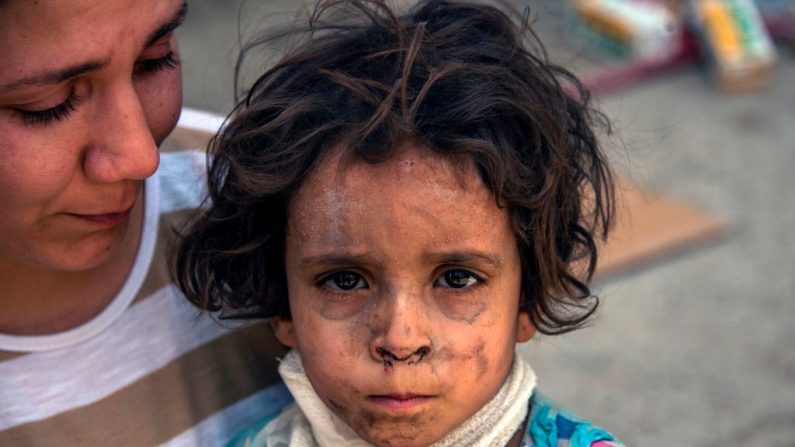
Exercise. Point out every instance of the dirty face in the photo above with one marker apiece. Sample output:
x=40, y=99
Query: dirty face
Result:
x=404, y=283
x=88, y=89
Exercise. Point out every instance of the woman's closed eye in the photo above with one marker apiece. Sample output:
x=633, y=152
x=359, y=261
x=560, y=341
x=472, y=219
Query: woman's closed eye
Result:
x=343, y=281
x=50, y=114
x=61, y=111
x=458, y=279
x=151, y=66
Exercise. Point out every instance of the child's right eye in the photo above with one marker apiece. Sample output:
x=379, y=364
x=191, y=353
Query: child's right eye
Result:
x=344, y=281
x=458, y=279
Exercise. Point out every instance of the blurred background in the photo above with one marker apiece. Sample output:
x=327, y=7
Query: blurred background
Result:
x=691, y=346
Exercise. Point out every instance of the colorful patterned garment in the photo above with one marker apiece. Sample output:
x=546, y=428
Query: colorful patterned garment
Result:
x=550, y=426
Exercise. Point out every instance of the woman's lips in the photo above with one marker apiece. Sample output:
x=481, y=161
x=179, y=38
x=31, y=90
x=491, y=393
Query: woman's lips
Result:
x=104, y=220
x=399, y=401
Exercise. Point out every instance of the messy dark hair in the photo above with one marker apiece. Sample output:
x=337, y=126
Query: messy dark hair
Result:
x=466, y=80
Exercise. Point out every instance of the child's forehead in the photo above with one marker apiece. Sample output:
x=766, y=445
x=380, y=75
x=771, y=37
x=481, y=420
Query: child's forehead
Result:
x=408, y=210
x=411, y=183
x=408, y=163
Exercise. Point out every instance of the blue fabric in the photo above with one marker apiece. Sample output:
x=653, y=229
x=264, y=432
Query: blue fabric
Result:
x=278, y=397
x=552, y=426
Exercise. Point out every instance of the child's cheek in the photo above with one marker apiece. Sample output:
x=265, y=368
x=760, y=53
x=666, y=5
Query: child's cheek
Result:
x=347, y=327
x=349, y=307
x=466, y=310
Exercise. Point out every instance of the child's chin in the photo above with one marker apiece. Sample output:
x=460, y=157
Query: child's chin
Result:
x=399, y=439
x=398, y=434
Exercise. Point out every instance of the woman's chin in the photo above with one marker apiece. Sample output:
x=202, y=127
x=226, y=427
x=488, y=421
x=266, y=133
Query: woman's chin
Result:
x=90, y=253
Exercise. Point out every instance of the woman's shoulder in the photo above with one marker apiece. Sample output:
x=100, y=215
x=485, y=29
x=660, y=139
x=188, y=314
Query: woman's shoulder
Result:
x=551, y=425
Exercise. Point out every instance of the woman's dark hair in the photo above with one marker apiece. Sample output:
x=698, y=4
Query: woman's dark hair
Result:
x=458, y=77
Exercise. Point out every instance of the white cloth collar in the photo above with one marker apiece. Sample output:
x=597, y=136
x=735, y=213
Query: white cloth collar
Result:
x=309, y=423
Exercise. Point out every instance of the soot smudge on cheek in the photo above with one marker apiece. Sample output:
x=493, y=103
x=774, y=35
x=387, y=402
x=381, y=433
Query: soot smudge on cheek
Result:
x=479, y=357
x=344, y=407
x=476, y=355
x=338, y=408
x=465, y=312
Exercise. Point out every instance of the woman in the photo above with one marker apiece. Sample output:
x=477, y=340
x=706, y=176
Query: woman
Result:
x=95, y=346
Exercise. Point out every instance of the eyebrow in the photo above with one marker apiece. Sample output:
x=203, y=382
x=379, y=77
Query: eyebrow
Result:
x=463, y=257
x=169, y=26
x=454, y=257
x=64, y=74
x=57, y=76
x=328, y=260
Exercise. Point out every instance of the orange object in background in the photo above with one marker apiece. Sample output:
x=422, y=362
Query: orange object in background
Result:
x=736, y=43
x=641, y=30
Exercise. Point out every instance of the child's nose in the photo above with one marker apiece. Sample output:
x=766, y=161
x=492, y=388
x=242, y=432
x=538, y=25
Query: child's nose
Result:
x=387, y=356
x=402, y=331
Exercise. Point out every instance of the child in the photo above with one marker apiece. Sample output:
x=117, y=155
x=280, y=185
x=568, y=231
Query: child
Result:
x=406, y=198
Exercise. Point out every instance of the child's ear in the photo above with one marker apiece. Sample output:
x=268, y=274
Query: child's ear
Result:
x=284, y=331
x=525, y=330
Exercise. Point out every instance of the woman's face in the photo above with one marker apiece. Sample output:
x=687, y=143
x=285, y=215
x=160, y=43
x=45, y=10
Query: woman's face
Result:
x=404, y=282
x=88, y=90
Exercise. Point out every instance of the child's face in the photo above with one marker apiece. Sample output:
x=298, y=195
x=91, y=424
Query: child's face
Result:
x=404, y=282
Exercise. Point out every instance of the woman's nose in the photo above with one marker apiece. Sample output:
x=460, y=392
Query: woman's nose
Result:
x=121, y=146
x=402, y=331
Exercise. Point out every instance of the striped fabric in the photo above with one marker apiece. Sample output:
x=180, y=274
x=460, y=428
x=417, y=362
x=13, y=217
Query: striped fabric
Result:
x=150, y=369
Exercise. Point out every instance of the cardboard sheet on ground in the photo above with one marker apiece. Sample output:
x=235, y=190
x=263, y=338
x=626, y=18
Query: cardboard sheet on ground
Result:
x=649, y=228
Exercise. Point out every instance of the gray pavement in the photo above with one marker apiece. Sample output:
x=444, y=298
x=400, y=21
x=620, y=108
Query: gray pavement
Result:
x=690, y=351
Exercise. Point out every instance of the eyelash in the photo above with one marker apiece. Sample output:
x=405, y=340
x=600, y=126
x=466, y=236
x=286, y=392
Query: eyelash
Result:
x=324, y=280
x=167, y=62
x=64, y=109
x=479, y=281
x=361, y=283
x=57, y=113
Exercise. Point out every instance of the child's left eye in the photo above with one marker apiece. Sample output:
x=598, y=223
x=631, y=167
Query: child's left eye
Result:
x=344, y=281
x=458, y=279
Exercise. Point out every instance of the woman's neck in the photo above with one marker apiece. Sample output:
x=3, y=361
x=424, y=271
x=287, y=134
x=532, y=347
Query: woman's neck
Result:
x=36, y=301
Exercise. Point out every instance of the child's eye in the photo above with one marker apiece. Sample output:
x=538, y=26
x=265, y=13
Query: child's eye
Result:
x=344, y=281
x=458, y=279
x=149, y=66
x=47, y=116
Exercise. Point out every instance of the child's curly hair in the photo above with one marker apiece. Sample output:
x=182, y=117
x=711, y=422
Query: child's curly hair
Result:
x=458, y=77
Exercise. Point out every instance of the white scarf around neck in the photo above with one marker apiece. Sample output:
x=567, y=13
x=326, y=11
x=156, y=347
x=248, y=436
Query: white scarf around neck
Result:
x=309, y=423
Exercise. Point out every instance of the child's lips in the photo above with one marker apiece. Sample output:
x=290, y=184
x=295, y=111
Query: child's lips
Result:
x=400, y=401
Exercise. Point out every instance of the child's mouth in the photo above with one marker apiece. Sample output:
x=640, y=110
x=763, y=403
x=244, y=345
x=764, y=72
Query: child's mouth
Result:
x=399, y=401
